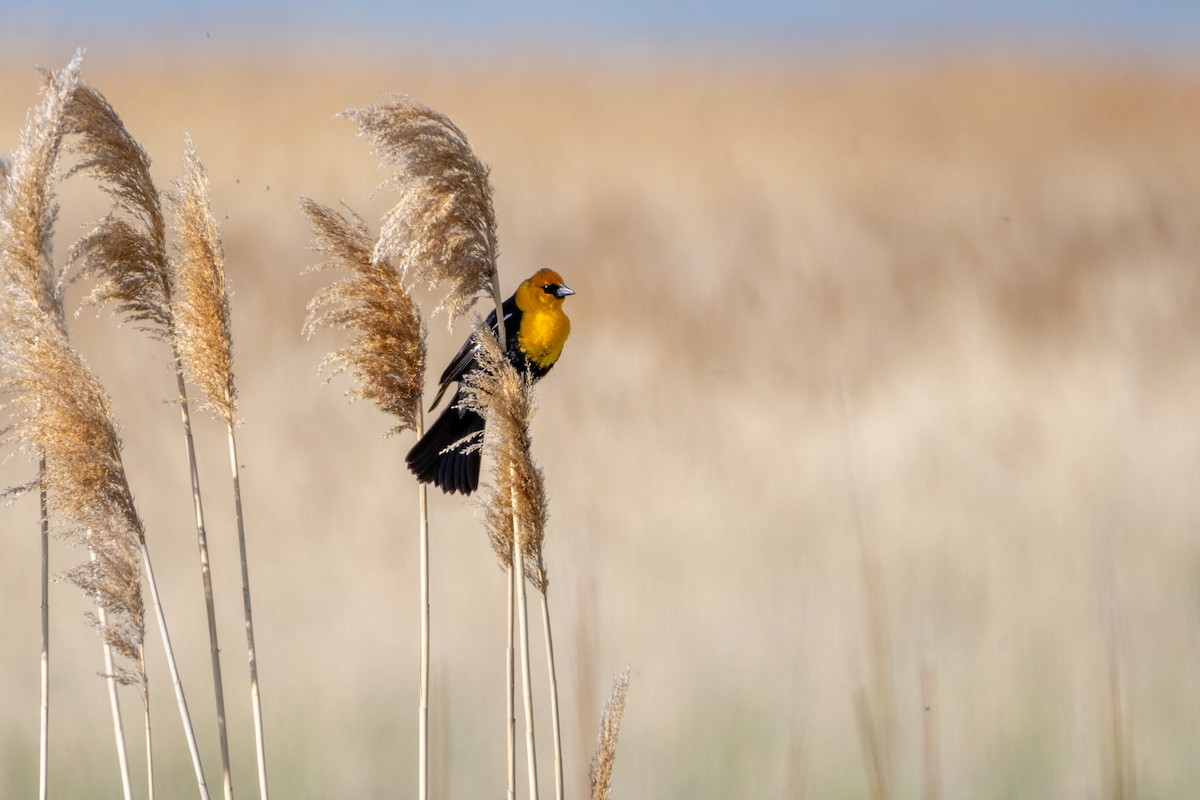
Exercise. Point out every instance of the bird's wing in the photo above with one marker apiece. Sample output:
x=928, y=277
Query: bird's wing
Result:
x=464, y=360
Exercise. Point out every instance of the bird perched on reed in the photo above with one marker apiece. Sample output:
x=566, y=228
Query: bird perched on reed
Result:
x=536, y=328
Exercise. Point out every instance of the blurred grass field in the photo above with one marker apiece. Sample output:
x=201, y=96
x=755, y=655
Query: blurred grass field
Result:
x=926, y=328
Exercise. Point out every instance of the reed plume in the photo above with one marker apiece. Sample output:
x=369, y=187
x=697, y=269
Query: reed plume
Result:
x=29, y=209
x=387, y=358
x=516, y=499
x=601, y=770
x=127, y=252
x=442, y=229
x=27, y=215
x=202, y=306
x=203, y=336
x=440, y=232
x=387, y=353
x=61, y=412
x=516, y=509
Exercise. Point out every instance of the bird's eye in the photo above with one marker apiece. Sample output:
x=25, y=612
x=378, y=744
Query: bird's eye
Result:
x=551, y=289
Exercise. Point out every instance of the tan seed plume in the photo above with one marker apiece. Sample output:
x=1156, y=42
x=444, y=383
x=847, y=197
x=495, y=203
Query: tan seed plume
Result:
x=60, y=411
x=504, y=397
x=126, y=250
x=387, y=354
x=201, y=305
x=442, y=230
x=601, y=770
x=28, y=212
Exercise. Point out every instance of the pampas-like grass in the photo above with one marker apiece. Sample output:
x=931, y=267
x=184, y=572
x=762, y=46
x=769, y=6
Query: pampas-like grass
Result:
x=387, y=353
x=29, y=209
x=130, y=257
x=516, y=509
x=127, y=252
x=61, y=412
x=202, y=306
x=205, y=345
x=442, y=229
x=601, y=770
x=387, y=358
x=27, y=216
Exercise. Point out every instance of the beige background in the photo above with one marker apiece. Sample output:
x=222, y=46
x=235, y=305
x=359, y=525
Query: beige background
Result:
x=918, y=331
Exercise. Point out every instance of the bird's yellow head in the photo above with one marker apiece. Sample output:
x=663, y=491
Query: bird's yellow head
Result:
x=544, y=291
x=544, y=327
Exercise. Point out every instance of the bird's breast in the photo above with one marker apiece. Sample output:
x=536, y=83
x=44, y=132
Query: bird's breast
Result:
x=542, y=336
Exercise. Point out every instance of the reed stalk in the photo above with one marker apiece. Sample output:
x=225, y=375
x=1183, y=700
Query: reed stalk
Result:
x=127, y=251
x=44, y=716
x=423, y=700
x=526, y=678
x=32, y=306
x=176, y=681
x=555, y=720
x=203, y=337
x=511, y=680
x=114, y=703
x=60, y=410
x=440, y=232
x=515, y=507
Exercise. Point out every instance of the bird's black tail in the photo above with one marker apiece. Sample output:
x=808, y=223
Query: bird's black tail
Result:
x=451, y=470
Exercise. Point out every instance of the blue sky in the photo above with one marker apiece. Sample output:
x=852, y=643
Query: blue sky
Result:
x=1147, y=27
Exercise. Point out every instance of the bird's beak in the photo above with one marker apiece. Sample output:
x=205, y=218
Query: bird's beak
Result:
x=563, y=291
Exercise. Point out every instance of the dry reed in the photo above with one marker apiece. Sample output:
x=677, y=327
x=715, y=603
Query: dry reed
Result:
x=62, y=415
x=440, y=232
x=27, y=215
x=201, y=307
x=442, y=229
x=205, y=346
x=126, y=251
x=386, y=356
x=600, y=771
x=515, y=506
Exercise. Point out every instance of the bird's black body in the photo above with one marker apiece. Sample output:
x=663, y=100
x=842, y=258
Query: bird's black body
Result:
x=449, y=453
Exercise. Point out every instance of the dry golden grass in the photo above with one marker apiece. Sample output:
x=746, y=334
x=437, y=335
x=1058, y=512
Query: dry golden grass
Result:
x=992, y=261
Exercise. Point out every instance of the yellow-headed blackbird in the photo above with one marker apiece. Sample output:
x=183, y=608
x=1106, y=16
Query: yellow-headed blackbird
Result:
x=535, y=329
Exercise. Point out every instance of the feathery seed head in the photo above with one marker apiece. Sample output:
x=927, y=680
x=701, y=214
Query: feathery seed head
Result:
x=127, y=248
x=442, y=230
x=601, y=769
x=28, y=210
x=203, y=335
x=61, y=413
x=516, y=502
x=387, y=353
